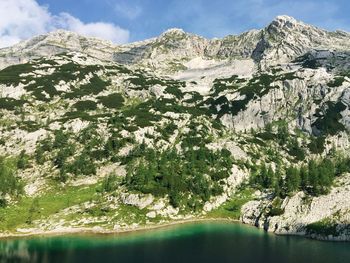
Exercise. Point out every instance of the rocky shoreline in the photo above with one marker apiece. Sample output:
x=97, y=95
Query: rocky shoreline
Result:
x=101, y=231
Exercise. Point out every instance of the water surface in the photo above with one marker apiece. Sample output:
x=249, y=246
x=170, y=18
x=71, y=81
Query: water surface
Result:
x=197, y=242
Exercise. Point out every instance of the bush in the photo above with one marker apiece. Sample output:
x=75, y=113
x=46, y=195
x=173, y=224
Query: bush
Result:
x=95, y=86
x=174, y=91
x=110, y=183
x=11, y=74
x=316, y=146
x=23, y=160
x=62, y=156
x=40, y=155
x=328, y=123
x=143, y=117
x=276, y=211
x=324, y=227
x=61, y=139
x=82, y=165
x=85, y=105
x=112, y=101
x=337, y=82
x=295, y=150
x=10, y=104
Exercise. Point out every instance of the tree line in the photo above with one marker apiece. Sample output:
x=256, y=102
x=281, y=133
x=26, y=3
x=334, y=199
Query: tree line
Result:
x=314, y=178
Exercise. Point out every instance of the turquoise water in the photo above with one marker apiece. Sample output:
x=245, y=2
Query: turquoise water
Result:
x=198, y=242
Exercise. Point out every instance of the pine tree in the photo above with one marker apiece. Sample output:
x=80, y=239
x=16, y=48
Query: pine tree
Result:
x=292, y=179
x=304, y=177
x=277, y=181
x=282, y=133
x=269, y=177
x=313, y=177
x=39, y=155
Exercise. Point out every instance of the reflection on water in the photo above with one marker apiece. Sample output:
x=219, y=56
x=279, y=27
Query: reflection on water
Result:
x=200, y=242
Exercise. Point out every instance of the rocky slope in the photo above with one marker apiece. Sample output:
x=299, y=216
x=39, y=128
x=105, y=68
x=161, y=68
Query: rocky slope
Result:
x=176, y=127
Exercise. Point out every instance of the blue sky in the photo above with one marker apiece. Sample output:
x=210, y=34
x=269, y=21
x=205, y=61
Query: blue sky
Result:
x=130, y=20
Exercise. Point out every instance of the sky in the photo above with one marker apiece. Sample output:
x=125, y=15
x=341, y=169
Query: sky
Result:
x=123, y=21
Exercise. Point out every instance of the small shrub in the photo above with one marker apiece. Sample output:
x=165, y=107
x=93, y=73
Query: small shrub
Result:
x=112, y=101
x=85, y=105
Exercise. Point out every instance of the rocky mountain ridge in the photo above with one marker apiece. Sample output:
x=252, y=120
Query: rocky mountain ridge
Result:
x=283, y=40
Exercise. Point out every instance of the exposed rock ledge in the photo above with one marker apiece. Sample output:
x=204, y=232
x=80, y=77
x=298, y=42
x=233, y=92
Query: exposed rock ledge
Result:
x=301, y=212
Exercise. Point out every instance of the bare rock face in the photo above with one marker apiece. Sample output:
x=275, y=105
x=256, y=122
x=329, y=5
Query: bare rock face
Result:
x=300, y=211
x=286, y=38
x=53, y=43
x=140, y=201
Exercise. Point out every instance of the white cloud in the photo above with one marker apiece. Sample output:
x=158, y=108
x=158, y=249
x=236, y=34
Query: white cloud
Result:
x=129, y=11
x=22, y=19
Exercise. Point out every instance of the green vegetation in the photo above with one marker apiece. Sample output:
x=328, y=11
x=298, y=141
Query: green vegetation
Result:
x=315, y=178
x=168, y=130
x=95, y=86
x=119, y=68
x=78, y=115
x=308, y=61
x=316, y=145
x=62, y=152
x=196, y=97
x=185, y=171
x=337, y=82
x=226, y=84
x=198, y=135
x=10, y=183
x=43, y=87
x=324, y=228
x=141, y=81
x=112, y=101
x=174, y=91
x=282, y=136
x=85, y=105
x=111, y=183
x=10, y=104
x=232, y=208
x=23, y=160
x=11, y=74
x=328, y=121
x=113, y=144
x=29, y=209
x=82, y=165
x=142, y=115
x=276, y=207
x=189, y=179
x=256, y=87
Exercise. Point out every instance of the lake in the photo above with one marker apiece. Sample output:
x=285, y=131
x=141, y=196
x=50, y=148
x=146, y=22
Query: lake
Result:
x=196, y=242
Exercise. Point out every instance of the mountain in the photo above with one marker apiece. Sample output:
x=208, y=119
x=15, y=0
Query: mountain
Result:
x=253, y=127
x=284, y=39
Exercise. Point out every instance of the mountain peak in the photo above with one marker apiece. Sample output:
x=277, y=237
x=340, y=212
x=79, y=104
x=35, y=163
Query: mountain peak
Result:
x=174, y=31
x=66, y=34
x=284, y=21
x=285, y=18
